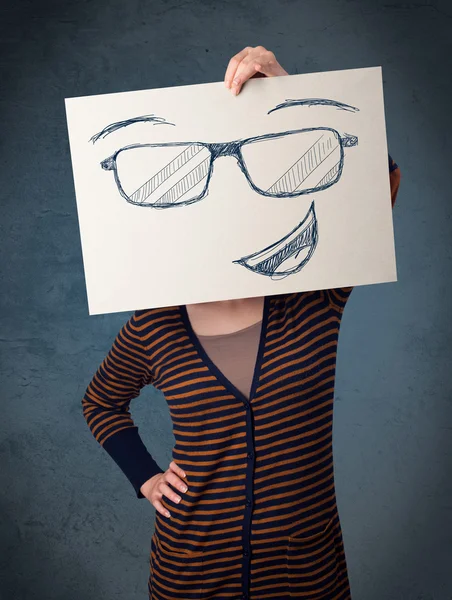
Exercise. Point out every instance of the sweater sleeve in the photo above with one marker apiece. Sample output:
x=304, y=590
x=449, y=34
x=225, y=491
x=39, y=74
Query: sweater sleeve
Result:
x=392, y=164
x=106, y=405
x=338, y=297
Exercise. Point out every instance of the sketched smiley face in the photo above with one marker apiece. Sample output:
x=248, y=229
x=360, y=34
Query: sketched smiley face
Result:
x=177, y=174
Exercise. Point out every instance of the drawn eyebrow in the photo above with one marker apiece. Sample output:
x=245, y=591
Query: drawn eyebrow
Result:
x=120, y=124
x=315, y=102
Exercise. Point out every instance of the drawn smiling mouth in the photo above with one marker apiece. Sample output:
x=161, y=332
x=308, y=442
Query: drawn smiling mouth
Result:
x=289, y=254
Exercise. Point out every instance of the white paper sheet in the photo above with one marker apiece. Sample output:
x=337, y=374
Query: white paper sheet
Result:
x=306, y=207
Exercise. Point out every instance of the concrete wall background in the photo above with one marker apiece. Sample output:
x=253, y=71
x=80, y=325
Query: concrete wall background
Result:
x=71, y=526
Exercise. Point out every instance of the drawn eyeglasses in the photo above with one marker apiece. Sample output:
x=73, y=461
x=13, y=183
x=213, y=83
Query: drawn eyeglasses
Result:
x=178, y=173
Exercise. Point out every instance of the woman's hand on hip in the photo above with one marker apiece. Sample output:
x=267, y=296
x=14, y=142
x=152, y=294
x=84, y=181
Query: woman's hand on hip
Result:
x=251, y=62
x=157, y=486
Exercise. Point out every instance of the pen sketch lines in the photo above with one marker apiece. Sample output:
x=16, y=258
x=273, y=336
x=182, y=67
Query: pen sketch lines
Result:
x=120, y=124
x=192, y=168
x=184, y=185
x=281, y=258
x=307, y=164
x=332, y=173
x=145, y=190
x=315, y=102
x=349, y=140
x=165, y=175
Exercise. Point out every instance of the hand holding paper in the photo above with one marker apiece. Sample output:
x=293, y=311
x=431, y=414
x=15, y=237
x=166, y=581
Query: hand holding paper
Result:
x=247, y=63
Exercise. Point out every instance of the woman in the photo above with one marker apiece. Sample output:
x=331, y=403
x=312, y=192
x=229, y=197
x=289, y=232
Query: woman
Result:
x=247, y=508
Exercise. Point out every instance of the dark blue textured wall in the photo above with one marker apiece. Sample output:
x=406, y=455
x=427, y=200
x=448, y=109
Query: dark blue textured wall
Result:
x=71, y=527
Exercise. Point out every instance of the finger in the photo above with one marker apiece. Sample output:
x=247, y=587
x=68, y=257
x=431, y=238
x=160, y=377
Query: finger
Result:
x=268, y=63
x=257, y=60
x=160, y=508
x=174, y=467
x=233, y=64
x=272, y=68
x=174, y=480
x=165, y=490
x=245, y=71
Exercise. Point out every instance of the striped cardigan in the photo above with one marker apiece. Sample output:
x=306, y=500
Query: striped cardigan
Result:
x=259, y=520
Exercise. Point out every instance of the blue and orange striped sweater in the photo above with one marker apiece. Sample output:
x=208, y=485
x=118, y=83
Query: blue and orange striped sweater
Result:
x=259, y=520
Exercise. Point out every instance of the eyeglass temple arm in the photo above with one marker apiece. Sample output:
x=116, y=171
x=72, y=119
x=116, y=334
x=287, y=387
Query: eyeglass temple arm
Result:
x=349, y=140
x=108, y=164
